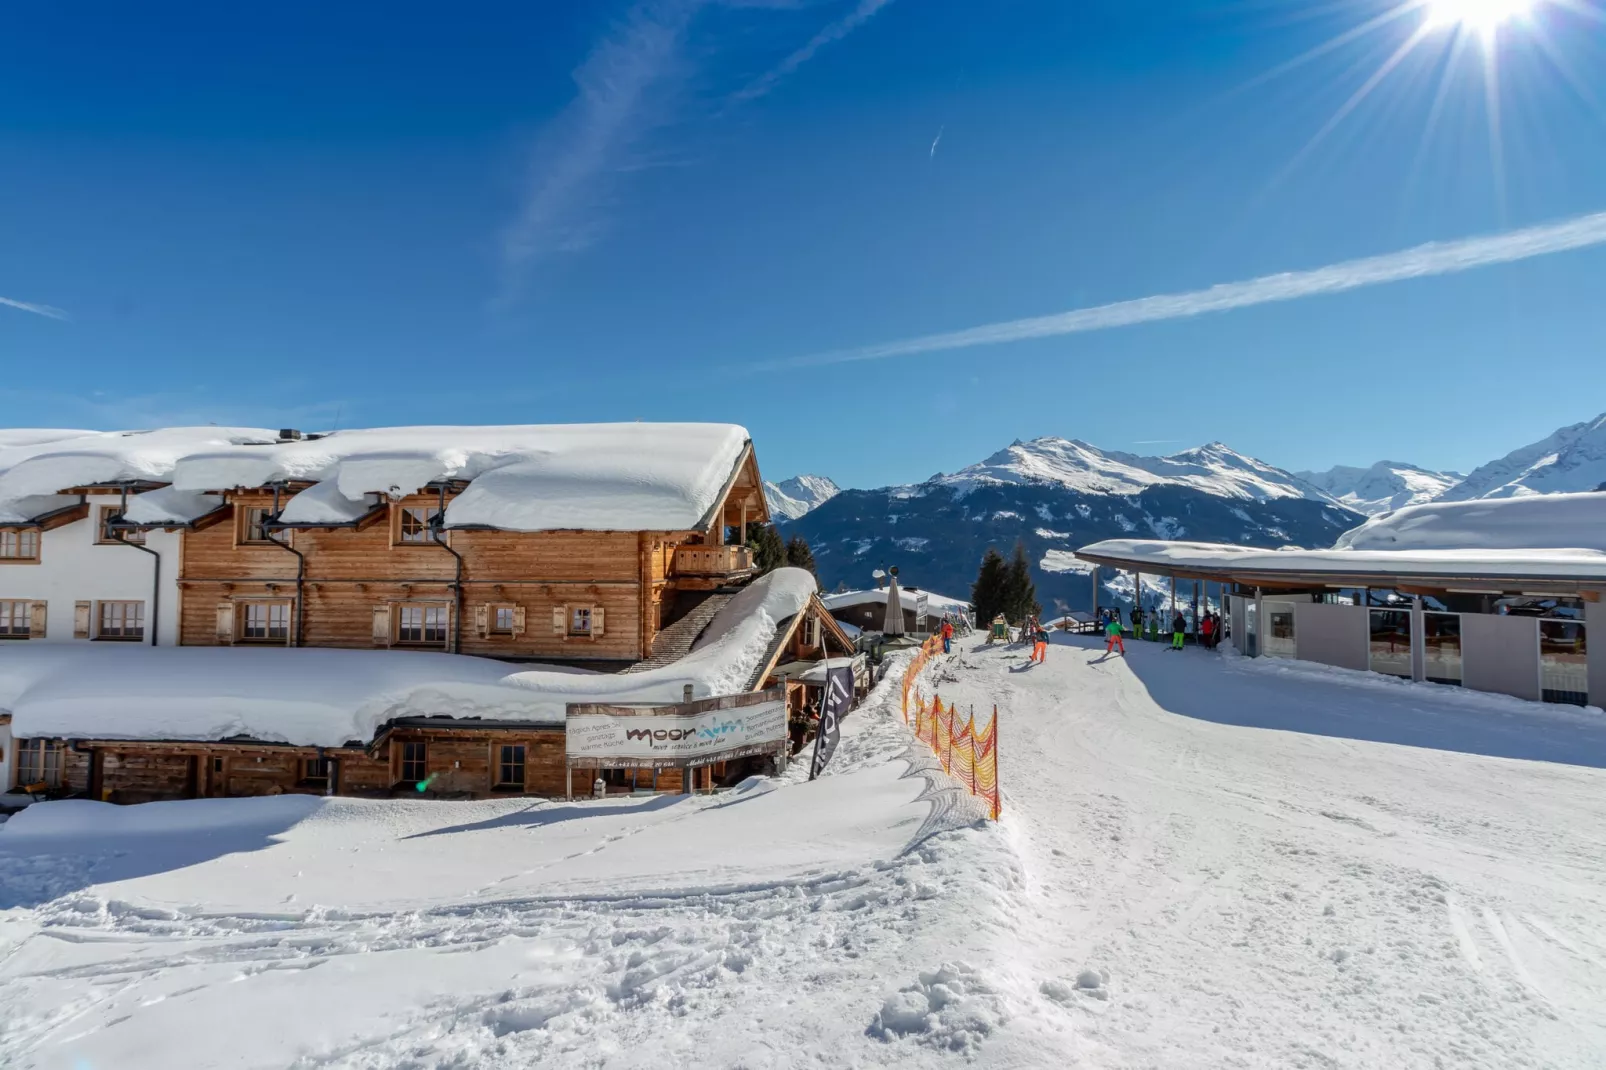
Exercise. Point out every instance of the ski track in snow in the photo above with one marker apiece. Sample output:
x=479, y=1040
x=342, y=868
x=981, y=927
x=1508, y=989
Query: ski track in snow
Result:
x=1163, y=891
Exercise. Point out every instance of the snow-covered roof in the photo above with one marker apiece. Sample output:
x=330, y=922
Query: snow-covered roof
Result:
x=26, y=509
x=532, y=477
x=1211, y=559
x=1549, y=521
x=935, y=603
x=168, y=505
x=330, y=697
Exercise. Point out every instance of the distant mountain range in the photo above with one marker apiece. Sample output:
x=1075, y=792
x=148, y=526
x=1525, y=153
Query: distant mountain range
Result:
x=791, y=498
x=1056, y=494
x=1385, y=486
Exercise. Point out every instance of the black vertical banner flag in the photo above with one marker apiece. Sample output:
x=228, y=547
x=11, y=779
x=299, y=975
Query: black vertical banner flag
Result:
x=838, y=696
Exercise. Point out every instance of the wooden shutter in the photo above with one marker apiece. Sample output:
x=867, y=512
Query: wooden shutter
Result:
x=518, y=620
x=80, y=619
x=225, y=624
x=382, y=625
x=596, y=622
x=38, y=613
x=482, y=620
x=560, y=620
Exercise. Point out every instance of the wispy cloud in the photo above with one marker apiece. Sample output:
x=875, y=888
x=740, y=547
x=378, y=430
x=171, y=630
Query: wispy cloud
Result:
x=38, y=310
x=616, y=104
x=937, y=141
x=1435, y=258
x=834, y=31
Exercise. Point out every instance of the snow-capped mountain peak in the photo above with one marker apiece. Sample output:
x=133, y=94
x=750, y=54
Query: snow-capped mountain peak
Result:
x=1571, y=459
x=1385, y=486
x=791, y=498
x=1214, y=468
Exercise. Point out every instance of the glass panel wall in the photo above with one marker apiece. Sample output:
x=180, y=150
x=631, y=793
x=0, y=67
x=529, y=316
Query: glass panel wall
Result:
x=1391, y=642
x=1279, y=640
x=1563, y=665
x=1251, y=629
x=1441, y=642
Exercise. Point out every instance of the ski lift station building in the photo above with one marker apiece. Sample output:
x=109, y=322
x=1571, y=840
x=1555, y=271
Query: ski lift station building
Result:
x=1493, y=594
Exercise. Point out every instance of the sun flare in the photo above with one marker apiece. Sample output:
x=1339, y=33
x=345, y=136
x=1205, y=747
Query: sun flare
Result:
x=1485, y=16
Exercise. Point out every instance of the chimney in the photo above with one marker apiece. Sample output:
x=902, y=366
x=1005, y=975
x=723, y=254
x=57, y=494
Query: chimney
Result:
x=289, y=434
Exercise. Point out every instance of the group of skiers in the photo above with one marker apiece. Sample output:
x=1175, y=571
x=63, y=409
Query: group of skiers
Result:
x=1208, y=635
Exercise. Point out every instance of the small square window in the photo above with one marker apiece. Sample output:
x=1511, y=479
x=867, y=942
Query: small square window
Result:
x=264, y=622
x=315, y=769
x=121, y=620
x=104, y=533
x=19, y=545
x=501, y=622
x=413, y=524
x=16, y=619
x=422, y=624
x=580, y=620
x=39, y=761
x=251, y=531
x=510, y=767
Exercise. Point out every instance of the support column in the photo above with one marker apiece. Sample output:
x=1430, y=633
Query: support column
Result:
x=1260, y=620
x=1419, y=650
x=1095, y=592
x=1595, y=646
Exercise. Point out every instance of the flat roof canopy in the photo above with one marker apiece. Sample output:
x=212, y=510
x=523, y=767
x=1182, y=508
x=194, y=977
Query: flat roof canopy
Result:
x=1494, y=571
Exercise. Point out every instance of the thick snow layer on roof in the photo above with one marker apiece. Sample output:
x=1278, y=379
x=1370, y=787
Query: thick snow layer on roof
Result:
x=935, y=603
x=1571, y=564
x=110, y=456
x=1550, y=521
x=34, y=436
x=635, y=476
x=322, y=503
x=328, y=697
x=167, y=505
x=24, y=509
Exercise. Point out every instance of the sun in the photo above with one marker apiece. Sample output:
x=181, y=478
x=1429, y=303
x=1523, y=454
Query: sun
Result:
x=1484, y=16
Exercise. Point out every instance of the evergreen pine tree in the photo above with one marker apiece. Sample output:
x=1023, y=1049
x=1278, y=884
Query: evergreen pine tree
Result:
x=798, y=554
x=1020, y=593
x=769, y=552
x=987, y=593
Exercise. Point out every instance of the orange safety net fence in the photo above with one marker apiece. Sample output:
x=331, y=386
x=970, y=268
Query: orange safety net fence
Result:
x=967, y=755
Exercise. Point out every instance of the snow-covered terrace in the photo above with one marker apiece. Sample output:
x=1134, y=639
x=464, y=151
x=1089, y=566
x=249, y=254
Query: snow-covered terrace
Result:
x=1551, y=544
x=327, y=698
x=533, y=477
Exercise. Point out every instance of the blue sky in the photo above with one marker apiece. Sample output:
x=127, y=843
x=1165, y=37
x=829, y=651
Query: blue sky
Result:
x=348, y=215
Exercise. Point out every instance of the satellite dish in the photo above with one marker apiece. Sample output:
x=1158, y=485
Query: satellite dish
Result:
x=893, y=570
x=395, y=493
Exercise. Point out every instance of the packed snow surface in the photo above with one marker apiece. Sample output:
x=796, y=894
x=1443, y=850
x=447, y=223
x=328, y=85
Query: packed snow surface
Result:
x=1551, y=522
x=1384, y=486
x=326, y=698
x=1203, y=862
x=791, y=498
x=1213, y=468
x=597, y=477
x=1571, y=459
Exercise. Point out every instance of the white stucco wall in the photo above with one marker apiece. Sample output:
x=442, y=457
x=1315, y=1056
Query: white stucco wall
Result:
x=73, y=567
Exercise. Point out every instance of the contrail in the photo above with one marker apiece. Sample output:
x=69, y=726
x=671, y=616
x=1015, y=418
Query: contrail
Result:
x=38, y=310
x=1435, y=258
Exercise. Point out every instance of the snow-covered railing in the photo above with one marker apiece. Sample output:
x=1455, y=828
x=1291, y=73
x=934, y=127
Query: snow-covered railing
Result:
x=967, y=755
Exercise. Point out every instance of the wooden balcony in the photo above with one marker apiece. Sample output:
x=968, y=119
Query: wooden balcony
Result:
x=715, y=563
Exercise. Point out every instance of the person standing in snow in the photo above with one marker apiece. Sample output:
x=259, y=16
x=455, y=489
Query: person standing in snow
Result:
x=1179, y=631
x=1137, y=622
x=1112, y=637
x=1039, y=644
x=1207, y=631
x=947, y=634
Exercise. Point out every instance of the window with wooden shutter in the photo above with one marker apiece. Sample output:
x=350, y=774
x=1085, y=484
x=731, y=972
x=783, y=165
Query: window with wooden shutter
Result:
x=596, y=622
x=560, y=620
x=80, y=619
x=382, y=625
x=482, y=620
x=518, y=620
x=225, y=623
x=38, y=618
